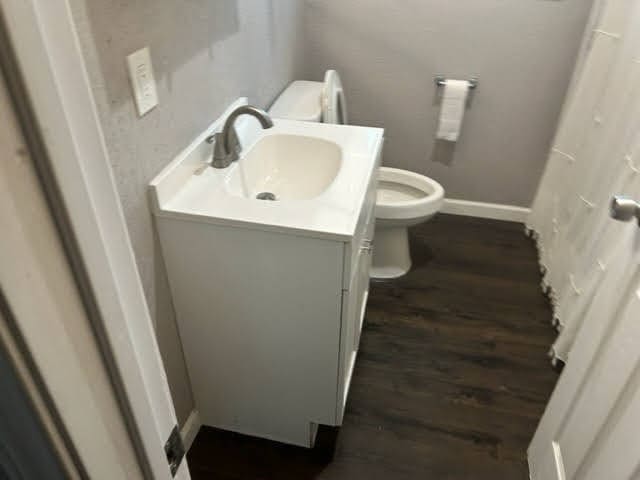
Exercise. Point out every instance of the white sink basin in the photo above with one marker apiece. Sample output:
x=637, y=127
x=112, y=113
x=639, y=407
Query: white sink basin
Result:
x=286, y=167
x=318, y=174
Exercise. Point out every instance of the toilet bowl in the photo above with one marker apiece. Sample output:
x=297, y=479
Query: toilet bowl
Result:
x=403, y=198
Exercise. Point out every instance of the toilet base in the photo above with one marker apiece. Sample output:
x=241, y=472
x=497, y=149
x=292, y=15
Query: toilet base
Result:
x=391, y=257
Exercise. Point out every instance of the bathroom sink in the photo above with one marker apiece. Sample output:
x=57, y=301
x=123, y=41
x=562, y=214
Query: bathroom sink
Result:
x=317, y=174
x=286, y=167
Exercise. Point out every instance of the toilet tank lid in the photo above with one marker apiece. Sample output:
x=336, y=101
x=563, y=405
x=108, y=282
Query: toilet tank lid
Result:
x=301, y=100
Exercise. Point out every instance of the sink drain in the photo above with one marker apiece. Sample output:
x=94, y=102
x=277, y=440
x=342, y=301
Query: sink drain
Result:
x=266, y=196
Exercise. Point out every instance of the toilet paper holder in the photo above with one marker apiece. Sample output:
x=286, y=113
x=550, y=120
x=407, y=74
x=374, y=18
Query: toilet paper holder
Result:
x=441, y=81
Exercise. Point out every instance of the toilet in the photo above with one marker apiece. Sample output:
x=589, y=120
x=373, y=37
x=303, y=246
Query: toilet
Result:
x=403, y=198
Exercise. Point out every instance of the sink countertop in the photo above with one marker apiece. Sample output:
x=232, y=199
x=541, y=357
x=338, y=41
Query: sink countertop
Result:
x=181, y=193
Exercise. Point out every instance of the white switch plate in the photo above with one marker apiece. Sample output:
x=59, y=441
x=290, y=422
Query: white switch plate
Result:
x=142, y=81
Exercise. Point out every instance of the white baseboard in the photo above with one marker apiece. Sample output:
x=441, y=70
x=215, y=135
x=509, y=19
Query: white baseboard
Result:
x=190, y=429
x=494, y=211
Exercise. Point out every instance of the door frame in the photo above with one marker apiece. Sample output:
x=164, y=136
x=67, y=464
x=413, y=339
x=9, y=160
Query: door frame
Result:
x=50, y=70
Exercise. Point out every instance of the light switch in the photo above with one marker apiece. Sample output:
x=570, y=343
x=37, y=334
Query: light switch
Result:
x=142, y=81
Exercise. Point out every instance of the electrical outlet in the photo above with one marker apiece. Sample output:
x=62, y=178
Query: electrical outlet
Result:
x=142, y=81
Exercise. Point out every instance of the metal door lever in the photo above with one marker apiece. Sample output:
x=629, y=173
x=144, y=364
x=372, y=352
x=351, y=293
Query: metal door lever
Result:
x=624, y=209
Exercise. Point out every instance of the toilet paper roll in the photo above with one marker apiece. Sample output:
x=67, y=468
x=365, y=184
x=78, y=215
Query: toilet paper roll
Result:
x=454, y=102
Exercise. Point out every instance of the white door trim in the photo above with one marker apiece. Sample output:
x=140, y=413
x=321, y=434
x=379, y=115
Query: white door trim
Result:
x=45, y=41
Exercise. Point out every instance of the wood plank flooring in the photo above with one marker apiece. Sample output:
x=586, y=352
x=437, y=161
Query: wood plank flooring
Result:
x=451, y=379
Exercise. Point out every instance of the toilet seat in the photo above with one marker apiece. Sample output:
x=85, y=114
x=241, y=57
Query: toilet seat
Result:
x=405, y=196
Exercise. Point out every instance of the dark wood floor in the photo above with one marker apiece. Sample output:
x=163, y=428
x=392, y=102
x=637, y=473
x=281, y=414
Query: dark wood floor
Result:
x=451, y=378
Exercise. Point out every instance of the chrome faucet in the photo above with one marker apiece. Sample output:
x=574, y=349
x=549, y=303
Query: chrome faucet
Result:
x=227, y=148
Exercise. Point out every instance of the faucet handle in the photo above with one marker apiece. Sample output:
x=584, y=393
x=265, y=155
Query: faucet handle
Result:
x=234, y=142
x=222, y=159
x=219, y=152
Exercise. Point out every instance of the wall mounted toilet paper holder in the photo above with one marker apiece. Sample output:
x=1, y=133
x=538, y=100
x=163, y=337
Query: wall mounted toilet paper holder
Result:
x=441, y=81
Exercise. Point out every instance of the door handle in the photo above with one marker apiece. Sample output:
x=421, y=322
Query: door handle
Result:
x=624, y=209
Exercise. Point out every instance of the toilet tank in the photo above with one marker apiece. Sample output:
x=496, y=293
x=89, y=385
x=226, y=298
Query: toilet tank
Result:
x=301, y=100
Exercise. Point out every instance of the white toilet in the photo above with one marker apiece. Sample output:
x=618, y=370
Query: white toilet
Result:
x=403, y=199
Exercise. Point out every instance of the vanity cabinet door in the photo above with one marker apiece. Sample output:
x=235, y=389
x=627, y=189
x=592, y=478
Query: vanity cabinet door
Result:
x=354, y=301
x=362, y=282
x=362, y=296
x=348, y=347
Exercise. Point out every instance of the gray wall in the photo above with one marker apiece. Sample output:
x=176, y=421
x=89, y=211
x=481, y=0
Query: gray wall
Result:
x=388, y=53
x=205, y=54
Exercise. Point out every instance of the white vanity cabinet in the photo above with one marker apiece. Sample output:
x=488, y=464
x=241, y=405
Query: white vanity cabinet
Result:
x=270, y=322
x=270, y=296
